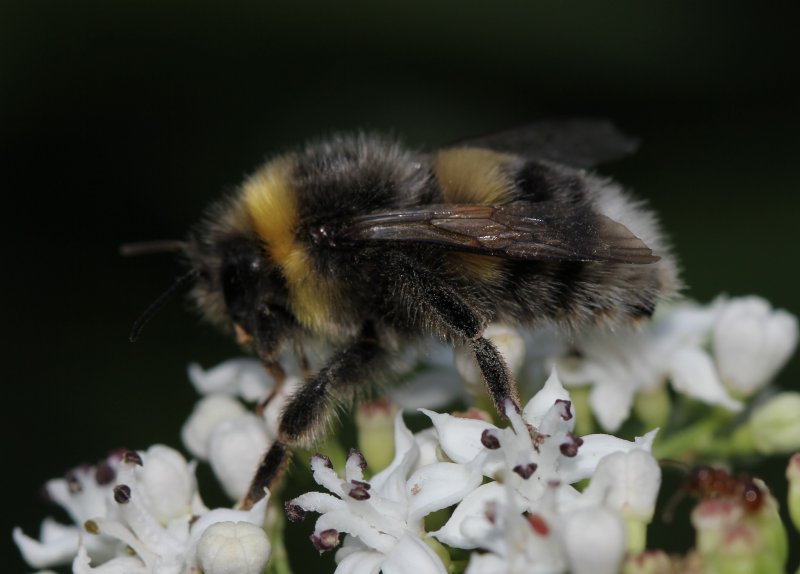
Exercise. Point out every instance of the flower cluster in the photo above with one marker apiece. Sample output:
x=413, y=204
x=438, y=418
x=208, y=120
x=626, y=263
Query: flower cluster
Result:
x=140, y=513
x=526, y=514
x=719, y=354
x=539, y=491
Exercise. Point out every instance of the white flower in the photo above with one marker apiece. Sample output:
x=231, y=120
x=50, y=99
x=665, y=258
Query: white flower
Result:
x=619, y=364
x=586, y=540
x=627, y=482
x=516, y=544
x=222, y=431
x=538, y=457
x=752, y=342
x=83, y=494
x=383, y=516
x=233, y=548
x=135, y=519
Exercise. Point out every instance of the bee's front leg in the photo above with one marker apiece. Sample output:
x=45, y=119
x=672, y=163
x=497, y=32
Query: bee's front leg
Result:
x=309, y=409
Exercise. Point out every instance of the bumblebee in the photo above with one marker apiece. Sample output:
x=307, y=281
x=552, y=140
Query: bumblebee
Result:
x=364, y=244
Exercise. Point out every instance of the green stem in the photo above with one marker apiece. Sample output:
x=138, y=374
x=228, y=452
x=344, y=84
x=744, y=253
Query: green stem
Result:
x=699, y=438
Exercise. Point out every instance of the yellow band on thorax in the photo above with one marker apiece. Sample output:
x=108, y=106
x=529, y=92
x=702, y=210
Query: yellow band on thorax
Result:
x=271, y=202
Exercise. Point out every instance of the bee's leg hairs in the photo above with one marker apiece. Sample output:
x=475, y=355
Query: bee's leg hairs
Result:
x=456, y=319
x=310, y=407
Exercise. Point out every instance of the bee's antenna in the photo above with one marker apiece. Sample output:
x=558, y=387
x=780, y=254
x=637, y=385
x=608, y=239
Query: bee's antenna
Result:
x=162, y=299
x=150, y=247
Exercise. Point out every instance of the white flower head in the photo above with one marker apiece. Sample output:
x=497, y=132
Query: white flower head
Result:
x=383, y=516
x=539, y=457
x=160, y=544
x=752, y=341
x=516, y=544
x=671, y=347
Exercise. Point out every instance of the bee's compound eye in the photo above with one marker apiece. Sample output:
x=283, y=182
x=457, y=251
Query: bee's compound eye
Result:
x=239, y=280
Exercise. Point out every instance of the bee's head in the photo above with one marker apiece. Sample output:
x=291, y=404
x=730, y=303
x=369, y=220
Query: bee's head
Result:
x=239, y=288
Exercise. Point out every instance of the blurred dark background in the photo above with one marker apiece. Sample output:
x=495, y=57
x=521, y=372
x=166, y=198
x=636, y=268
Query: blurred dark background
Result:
x=121, y=121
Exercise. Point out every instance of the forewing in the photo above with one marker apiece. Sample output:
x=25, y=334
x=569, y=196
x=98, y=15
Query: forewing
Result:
x=519, y=230
x=579, y=142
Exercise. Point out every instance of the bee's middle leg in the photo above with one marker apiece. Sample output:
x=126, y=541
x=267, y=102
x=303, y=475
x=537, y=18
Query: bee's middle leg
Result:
x=309, y=409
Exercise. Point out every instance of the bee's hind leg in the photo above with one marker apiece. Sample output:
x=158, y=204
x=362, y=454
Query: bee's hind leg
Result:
x=309, y=409
x=495, y=372
x=455, y=318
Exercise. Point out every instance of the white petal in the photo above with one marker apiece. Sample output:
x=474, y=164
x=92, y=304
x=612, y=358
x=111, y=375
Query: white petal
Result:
x=363, y=562
x=207, y=414
x=459, y=438
x=325, y=476
x=54, y=552
x=319, y=502
x=167, y=483
x=235, y=450
x=552, y=391
x=627, y=483
x=486, y=564
x=390, y=483
x=233, y=548
x=428, y=443
x=120, y=565
x=346, y=521
x=594, y=539
x=91, y=500
x=593, y=449
x=244, y=377
x=611, y=402
x=412, y=556
x=438, y=486
x=694, y=375
x=473, y=506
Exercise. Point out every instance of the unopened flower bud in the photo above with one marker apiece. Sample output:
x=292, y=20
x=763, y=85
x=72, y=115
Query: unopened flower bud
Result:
x=375, y=423
x=774, y=426
x=594, y=540
x=235, y=449
x=233, y=548
x=752, y=342
x=166, y=482
x=207, y=414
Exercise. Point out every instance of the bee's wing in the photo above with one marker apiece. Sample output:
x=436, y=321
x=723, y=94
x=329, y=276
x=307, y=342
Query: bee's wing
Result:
x=579, y=142
x=518, y=230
